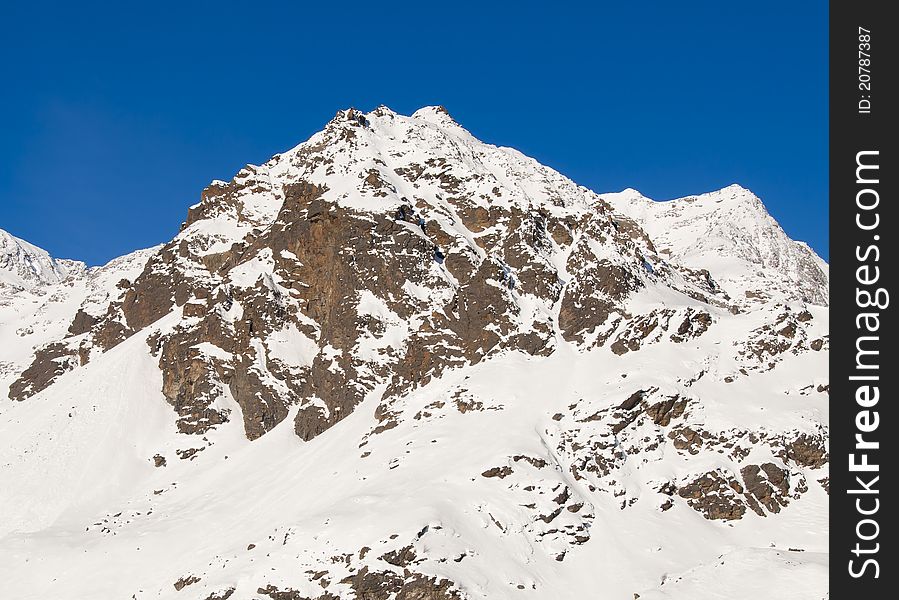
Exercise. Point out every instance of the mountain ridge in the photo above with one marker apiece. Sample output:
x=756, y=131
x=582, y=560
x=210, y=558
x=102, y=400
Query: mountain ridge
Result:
x=24, y=265
x=736, y=222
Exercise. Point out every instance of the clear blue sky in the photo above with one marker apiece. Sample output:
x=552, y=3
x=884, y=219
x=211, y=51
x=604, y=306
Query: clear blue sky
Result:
x=113, y=118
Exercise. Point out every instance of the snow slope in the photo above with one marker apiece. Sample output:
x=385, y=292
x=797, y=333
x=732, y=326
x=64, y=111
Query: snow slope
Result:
x=83, y=497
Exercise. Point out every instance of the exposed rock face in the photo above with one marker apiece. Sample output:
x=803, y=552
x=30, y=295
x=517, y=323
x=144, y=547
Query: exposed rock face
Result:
x=50, y=362
x=383, y=585
x=768, y=483
x=184, y=582
x=599, y=284
x=807, y=450
x=190, y=383
x=715, y=496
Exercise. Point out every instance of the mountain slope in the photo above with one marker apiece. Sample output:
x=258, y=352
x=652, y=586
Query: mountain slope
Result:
x=397, y=362
x=37, y=312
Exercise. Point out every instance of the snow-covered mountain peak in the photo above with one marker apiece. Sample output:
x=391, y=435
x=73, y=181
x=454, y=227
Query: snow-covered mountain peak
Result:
x=373, y=162
x=736, y=190
x=730, y=233
x=732, y=197
x=437, y=115
x=24, y=265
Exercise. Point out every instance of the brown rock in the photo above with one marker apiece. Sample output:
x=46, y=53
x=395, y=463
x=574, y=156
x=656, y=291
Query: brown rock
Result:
x=185, y=581
x=501, y=472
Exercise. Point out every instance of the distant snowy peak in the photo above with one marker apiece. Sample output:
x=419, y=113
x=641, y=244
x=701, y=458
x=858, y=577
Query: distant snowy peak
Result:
x=436, y=115
x=730, y=233
x=24, y=265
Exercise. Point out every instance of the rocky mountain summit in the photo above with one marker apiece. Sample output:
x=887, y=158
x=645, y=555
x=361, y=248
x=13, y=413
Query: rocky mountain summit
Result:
x=398, y=362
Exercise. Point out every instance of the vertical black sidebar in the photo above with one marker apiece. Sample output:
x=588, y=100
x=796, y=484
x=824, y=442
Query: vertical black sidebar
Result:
x=864, y=225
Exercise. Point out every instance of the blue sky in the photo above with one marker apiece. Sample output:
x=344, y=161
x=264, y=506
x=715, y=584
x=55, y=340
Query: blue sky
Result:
x=115, y=117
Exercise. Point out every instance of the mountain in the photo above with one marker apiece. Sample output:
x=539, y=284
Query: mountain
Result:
x=23, y=265
x=730, y=233
x=398, y=362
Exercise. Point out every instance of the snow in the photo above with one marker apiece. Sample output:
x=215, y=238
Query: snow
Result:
x=292, y=347
x=82, y=445
x=261, y=266
x=753, y=573
x=373, y=347
x=217, y=235
x=213, y=351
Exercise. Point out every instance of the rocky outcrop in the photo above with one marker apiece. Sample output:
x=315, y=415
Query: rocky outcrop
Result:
x=806, y=450
x=715, y=495
x=769, y=484
x=50, y=362
x=384, y=585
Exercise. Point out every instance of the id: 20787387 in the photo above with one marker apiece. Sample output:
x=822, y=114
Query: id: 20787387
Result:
x=864, y=70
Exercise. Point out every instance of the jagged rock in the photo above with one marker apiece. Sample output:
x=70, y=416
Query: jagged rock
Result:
x=276, y=593
x=715, y=496
x=400, y=558
x=806, y=450
x=662, y=412
x=500, y=472
x=82, y=322
x=633, y=400
x=50, y=362
x=386, y=585
x=768, y=483
x=185, y=581
x=686, y=439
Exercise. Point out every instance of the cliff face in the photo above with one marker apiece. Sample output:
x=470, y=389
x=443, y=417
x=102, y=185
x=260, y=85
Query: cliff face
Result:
x=578, y=354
